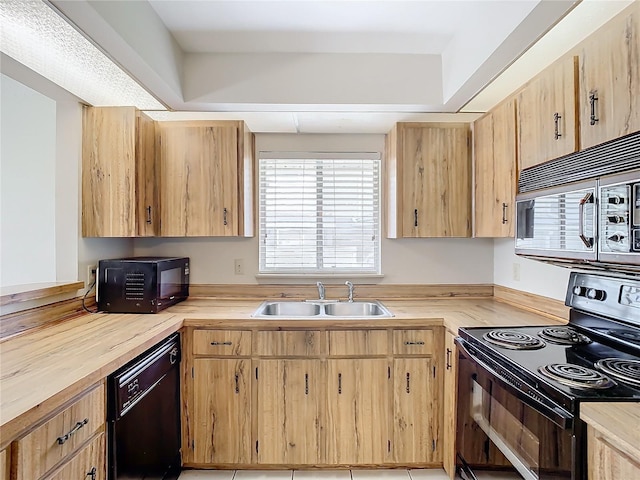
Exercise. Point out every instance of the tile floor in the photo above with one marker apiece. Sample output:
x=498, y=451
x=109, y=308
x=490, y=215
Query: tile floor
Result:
x=379, y=474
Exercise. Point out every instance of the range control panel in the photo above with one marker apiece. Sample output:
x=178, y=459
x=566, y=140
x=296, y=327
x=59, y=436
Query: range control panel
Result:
x=613, y=297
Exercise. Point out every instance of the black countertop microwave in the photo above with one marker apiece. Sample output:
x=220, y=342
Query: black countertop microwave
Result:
x=141, y=284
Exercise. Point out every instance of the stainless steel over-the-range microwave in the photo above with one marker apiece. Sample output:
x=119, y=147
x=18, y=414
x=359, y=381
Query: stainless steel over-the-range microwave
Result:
x=141, y=284
x=594, y=222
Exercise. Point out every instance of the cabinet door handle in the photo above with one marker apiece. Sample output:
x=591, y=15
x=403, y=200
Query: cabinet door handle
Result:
x=408, y=382
x=67, y=436
x=237, y=384
x=306, y=384
x=216, y=344
x=92, y=473
x=556, y=119
x=224, y=216
x=593, y=98
x=149, y=214
x=415, y=217
x=504, y=213
x=448, y=359
x=339, y=384
x=420, y=342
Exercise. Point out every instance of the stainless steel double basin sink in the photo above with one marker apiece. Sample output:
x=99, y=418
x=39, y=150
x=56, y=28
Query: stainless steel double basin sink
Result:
x=308, y=309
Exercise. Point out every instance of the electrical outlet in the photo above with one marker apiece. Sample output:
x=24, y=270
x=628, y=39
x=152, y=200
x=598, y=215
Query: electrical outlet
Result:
x=516, y=272
x=238, y=266
x=91, y=274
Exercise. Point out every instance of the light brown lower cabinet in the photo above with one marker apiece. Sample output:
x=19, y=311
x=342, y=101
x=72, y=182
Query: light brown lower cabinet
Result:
x=221, y=417
x=450, y=404
x=288, y=412
x=358, y=411
x=88, y=463
x=314, y=397
x=606, y=461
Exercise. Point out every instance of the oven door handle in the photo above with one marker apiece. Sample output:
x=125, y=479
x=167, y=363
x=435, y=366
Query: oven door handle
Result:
x=554, y=413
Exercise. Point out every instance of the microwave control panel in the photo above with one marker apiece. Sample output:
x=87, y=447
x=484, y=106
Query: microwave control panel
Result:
x=620, y=218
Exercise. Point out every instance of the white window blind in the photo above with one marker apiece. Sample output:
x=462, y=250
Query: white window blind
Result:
x=319, y=213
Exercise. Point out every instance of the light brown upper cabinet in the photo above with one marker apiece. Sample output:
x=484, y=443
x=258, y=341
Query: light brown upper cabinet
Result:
x=610, y=80
x=207, y=175
x=494, y=137
x=119, y=173
x=429, y=180
x=547, y=114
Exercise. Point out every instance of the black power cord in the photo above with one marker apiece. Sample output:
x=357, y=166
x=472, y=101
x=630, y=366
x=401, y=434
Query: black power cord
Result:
x=84, y=298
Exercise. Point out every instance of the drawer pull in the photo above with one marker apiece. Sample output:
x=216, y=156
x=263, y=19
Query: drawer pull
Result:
x=92, y=473
x=215, y=344
x=77, y=427
x=414, y=343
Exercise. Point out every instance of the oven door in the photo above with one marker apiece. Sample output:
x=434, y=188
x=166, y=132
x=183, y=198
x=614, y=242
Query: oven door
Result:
x=501, y=428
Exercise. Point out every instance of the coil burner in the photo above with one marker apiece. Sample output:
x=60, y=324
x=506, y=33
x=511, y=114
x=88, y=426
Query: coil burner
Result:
x=564, y=336
x=627, y=371
x=576, y=376
x=513, y=340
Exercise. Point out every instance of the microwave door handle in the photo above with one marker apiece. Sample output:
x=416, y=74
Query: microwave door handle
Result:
x=588, y=198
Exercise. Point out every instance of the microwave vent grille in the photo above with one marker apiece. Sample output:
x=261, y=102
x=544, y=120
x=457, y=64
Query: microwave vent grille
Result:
x=616, y=156
x=134, y=286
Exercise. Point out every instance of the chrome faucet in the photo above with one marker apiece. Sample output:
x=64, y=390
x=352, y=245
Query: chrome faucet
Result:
x=320, y=290
x=350, y=286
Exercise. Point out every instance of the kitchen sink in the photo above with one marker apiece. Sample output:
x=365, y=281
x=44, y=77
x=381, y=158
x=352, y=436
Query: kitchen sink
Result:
x=321, y=309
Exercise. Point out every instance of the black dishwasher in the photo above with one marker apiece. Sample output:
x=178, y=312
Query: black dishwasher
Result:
x=143, y=399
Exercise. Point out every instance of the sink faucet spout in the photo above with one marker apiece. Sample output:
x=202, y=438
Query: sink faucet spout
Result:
x=350, y=286
x=320, y=290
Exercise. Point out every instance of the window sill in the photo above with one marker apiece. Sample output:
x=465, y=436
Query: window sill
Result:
x=362, y=278
x=34, y=291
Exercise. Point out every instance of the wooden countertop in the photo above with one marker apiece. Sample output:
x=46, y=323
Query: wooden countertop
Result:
x=41, y=370
x=617, y=421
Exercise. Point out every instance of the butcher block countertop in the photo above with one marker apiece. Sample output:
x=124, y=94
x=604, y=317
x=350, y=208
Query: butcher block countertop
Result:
x=42, y=369
x=618, y=422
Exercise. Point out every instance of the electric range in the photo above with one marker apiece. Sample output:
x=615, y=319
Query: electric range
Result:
x=520, y=388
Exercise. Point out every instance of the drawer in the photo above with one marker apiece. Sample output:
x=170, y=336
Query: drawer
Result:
x=412, y=342
x=289, y=343
x=358, y=342
x=222, y=342
x=88, y=463
x=59, y=437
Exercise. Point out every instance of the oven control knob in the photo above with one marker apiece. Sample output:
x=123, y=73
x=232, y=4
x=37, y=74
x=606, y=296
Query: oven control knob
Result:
x=616, y=219
x=616, y=199
x=579, y=291
x=595, y=294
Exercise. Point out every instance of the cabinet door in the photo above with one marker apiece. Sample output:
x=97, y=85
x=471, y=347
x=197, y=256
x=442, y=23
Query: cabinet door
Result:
x=450, y=405
x=547, y=115
x=199, y=182
x=288, y=411
x=610, y=80
x=416, y=411
x=108, y=172
x=605, y=461
x=436, y=181
x=147, y=175
x=495, y=172
x=5, y=463
x=358, y=411
x=88, y=463
x=221, y=411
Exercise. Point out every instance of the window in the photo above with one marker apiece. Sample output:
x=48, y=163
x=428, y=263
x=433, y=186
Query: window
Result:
x=319, y=213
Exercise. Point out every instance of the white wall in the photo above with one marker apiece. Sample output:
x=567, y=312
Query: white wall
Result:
x=27, y=170
x=535, y=277
x=71, y=253
x=428, y=261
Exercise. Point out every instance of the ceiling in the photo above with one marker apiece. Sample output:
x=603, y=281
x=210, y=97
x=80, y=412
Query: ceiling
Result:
x=316, y=66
